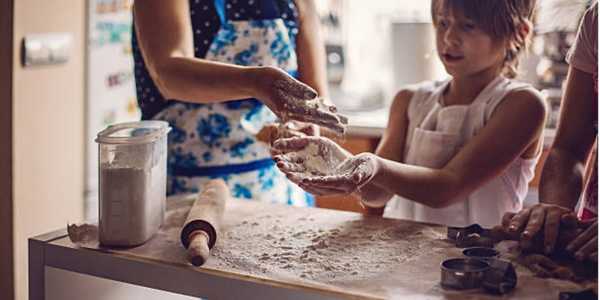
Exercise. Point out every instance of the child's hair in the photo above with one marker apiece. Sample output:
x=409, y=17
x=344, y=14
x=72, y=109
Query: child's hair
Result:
x=501, y=19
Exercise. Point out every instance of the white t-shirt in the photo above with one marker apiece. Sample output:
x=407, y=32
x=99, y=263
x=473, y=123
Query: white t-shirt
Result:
x=583, y=55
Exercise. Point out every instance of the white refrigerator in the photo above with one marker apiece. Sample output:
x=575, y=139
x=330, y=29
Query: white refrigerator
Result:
x=110, y=86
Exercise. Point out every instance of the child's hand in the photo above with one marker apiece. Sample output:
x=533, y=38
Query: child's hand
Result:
x=303, y=157
x=352, y=174
x=283, y=150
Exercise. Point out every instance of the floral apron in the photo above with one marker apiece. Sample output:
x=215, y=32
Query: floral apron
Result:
x=217, y=140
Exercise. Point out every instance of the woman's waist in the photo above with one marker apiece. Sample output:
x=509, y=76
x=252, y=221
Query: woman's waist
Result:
x=195, y=170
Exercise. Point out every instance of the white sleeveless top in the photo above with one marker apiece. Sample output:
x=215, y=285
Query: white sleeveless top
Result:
x=436, y=133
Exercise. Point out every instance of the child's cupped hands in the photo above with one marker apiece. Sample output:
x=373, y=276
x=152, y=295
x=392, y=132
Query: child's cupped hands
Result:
x=322, y=167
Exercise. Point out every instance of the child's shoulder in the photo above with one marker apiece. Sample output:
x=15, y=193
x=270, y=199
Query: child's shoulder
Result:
x=527, y=97
x=523, y=93
x=522, y=97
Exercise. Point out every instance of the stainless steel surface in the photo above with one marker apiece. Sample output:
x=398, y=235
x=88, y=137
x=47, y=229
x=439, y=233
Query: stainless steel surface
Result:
x=463, y=273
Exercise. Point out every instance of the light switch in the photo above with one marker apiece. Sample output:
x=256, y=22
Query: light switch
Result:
x=46, y=48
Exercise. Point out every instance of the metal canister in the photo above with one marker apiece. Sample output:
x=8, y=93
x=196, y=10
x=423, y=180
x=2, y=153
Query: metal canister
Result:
x=463, y=273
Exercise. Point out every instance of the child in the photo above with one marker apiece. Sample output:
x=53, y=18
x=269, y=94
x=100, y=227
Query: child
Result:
x=462, y=150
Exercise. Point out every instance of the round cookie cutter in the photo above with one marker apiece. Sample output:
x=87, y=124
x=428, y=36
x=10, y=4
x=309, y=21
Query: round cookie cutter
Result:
x=463, y=273
x=483, y=253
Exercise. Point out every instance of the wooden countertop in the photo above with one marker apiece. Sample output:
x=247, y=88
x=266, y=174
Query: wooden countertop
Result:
x=342, y=255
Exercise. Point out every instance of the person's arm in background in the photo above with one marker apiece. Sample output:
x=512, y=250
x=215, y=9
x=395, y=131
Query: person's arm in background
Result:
x=164, y=32
x=562, y=177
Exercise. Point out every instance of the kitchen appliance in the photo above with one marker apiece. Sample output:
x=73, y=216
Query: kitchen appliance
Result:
x=414, y=53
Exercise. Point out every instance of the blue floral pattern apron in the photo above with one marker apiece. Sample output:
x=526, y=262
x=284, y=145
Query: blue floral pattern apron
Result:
x=217, y=140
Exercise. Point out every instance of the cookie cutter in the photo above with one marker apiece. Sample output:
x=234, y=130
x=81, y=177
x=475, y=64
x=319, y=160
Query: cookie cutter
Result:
x=469, y=236
x=483, y=253
x=500, y=278
x=586, y=294
x=463, y=273
x=480, y=268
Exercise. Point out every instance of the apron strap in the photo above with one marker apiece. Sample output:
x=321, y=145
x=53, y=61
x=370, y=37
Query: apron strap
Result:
x=220, y=8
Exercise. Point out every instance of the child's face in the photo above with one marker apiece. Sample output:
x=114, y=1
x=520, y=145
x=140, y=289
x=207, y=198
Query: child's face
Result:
x=464, y=49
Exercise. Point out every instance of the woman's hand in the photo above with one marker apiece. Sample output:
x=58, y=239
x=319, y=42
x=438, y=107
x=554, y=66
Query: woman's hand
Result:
x=291, y=99
x=274, y=131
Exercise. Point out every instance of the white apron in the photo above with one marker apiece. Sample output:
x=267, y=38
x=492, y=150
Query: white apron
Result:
x=436, y=133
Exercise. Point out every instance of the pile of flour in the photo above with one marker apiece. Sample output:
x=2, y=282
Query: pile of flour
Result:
x=298, y=246
x=316, y=162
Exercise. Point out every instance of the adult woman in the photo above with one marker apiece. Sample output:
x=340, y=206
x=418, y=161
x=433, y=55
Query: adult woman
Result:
x=206, y=53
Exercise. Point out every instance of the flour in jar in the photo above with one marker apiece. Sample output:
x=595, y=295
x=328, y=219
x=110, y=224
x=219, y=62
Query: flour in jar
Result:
x=132, y=204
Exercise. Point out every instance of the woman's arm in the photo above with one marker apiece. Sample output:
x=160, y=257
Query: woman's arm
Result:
x=164, y=33
x=310, y=48
x=516, y=124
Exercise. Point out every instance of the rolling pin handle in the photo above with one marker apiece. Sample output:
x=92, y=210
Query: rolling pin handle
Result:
x=198, y=250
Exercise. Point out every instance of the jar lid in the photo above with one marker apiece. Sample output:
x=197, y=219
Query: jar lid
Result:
x=133, y=132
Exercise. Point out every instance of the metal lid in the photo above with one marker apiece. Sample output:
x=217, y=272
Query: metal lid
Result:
x=133, y=132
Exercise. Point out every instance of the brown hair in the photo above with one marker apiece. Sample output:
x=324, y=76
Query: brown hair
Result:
x=501, y=19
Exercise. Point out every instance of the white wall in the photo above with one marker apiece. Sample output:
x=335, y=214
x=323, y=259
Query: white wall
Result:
x=48, y=106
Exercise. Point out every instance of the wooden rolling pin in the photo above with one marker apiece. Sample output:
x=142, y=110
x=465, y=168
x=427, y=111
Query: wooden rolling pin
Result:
x=201, y=228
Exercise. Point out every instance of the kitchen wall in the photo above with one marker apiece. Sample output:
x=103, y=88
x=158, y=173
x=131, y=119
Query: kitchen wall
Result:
x=6, y=224
x=48, y=128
